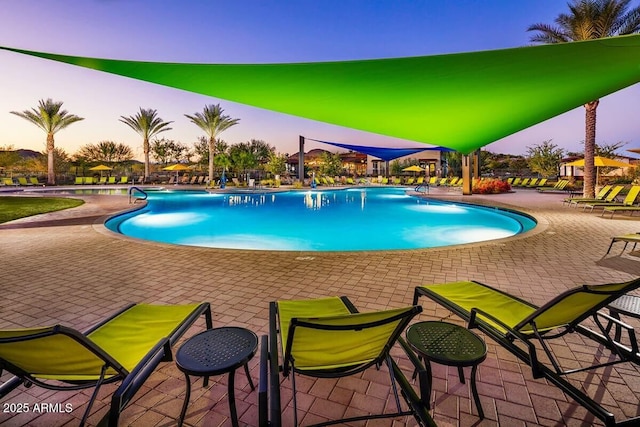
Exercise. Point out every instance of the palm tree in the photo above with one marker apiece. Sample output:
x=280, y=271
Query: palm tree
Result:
x=587, y=20
x=50, y=118
x=213, y=122
x=147, y=124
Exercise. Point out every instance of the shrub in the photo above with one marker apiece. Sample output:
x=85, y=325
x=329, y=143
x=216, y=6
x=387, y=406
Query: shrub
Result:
x=490, y=186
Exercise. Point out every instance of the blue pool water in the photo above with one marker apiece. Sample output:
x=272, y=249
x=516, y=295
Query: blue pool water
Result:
x=358, y=219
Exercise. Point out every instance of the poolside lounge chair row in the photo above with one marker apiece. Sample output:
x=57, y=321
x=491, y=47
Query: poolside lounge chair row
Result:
x=607, y=200
x=328, y=338
x=21, y=181
x=527, y=182
x=90, y=180
x=559, y=186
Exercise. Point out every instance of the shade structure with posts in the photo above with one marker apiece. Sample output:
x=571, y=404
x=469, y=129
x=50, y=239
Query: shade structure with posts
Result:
x=601, y=162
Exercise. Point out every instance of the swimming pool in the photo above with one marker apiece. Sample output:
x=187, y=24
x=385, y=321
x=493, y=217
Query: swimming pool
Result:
x=358, y=219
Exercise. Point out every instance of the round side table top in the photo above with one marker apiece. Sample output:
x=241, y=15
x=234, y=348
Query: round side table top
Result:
x=627, y=304
x=446, y=343
x=217, y=351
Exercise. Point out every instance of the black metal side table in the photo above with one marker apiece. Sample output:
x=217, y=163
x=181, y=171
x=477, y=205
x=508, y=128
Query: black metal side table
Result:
x=215, y=352
x=450, y=345
x=628, y=305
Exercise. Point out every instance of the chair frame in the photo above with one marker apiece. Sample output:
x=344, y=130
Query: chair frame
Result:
x=528, y=355
x=270, y=413
x=131, y=381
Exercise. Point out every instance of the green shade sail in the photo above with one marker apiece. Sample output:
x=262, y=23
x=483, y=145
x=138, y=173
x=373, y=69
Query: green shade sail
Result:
x=460, y=101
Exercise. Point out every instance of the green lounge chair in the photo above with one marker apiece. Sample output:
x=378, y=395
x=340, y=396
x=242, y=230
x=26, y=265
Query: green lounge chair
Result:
x=510, y=180
x=126, y=347
x=627, y=204
x=522, y=327
x=111, y=180
x=88, y=180
x=599, y=197
x=433, y=180
x=34, y=181
x=610, y=201
x=559, y=186
x=103, y=180
x=22, y=181
x=420, y=180
x=626, y=238
x=540, y=183
x=409, y=181
x=328, y=338
x=79, y=180
x=533, y=182
x=124, y=180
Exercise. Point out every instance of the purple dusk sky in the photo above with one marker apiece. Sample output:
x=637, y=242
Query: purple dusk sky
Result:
x=243, y=31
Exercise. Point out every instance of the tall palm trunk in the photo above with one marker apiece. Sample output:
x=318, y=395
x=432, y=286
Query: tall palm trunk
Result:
x=589, y=149
x=145, y=148
x=212, y=148
x=51, y=173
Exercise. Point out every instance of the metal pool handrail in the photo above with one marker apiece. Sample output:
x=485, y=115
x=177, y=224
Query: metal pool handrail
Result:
x=131, y=191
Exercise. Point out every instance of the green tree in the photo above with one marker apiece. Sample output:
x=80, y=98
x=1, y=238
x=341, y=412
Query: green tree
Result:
x=587, y=20
x=49, y=117
x=201, y=150
x=545, y=158
x=167, y=151
x=242, y=157
x=105, y=151
x=147, y=124
x=9, y=157
x=609, y=150
x=331, y=164
x=213, y=122
x=277, y=163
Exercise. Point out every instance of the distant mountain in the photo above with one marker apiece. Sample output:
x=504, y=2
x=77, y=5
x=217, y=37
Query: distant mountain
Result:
x=28, y=154
x=24, y=153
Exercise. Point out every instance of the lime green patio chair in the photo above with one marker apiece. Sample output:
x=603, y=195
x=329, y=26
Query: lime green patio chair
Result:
x=23, y=181
x=126, y=347
x=522, y=327
x=88, y=180
x=124, y=179
x=626, y=238
x=541, y=183
x=558, y=186
x=609, y=201
x=599, y=197
x=329, y=338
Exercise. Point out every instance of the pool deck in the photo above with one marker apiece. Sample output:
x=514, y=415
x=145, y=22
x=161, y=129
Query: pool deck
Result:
x=65, y=267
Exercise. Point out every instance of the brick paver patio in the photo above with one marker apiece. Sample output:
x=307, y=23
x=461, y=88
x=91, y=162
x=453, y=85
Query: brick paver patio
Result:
x=65, y=267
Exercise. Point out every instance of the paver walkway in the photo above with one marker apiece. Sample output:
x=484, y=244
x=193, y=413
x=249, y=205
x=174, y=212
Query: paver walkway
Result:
x=66, y=268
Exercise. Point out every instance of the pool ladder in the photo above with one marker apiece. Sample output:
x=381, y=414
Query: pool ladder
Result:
x=424, y=185
x=133, y=189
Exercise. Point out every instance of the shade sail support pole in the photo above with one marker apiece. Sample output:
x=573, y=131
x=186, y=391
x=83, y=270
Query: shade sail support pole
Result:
x=466, y=175
x=301, y=159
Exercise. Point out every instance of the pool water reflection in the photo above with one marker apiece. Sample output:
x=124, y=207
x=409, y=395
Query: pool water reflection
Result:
x=357, y=219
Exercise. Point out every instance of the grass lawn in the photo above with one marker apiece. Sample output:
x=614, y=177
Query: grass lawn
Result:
x=19, y=207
